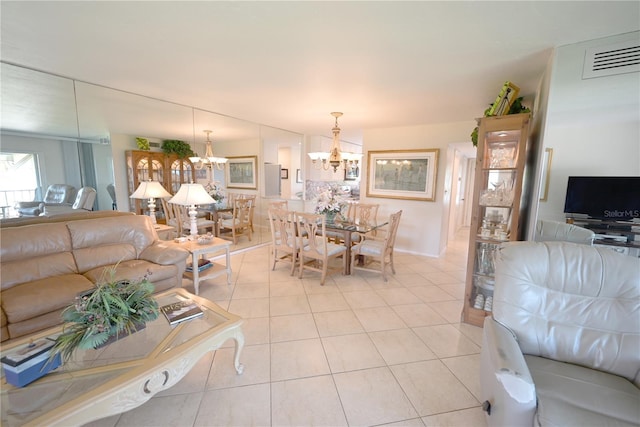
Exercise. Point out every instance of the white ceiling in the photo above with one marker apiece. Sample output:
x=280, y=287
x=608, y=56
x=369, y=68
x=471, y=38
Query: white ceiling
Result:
x=289, y=64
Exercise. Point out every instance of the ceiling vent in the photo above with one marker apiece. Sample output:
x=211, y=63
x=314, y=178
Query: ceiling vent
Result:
x=609, y=60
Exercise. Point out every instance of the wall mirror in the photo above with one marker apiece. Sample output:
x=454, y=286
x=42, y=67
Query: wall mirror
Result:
x=85, y=145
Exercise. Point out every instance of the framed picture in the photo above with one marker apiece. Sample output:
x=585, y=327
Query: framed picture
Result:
x=403, y=174
x=241, y=172
x=284, y=173
x=546, y=172
x=298, y=176
x=502, y=104
x=351, y=173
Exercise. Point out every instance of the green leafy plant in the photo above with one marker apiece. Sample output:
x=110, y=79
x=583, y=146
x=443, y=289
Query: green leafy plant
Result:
x=181, y=148
x=113, y=308
x=143, y=143
x=516, y=108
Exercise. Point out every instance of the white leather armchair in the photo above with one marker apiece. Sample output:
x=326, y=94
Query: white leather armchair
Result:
x=563, y=346
x=57, y=194
x=85, y=199
x=553, y=231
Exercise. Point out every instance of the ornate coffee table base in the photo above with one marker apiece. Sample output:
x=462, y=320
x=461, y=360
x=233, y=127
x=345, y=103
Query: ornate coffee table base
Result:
x=115, y=381
x=108, y=400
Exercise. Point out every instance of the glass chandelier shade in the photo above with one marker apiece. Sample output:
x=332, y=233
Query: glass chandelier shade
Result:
x=335, y=157
x=209, y=160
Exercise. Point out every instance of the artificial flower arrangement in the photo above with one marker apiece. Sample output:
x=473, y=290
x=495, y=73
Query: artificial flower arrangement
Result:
x=215, y=191
x=114, y=308
x=330, y=200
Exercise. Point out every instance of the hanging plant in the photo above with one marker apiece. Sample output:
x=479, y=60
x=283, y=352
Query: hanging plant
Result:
x=174, y=146
x=516, y=108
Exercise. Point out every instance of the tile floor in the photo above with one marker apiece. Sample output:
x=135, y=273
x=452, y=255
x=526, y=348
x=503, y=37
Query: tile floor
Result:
x=355, y=352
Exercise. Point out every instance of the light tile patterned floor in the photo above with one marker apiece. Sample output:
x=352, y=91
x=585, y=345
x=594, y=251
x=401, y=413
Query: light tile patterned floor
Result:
x=355, y=352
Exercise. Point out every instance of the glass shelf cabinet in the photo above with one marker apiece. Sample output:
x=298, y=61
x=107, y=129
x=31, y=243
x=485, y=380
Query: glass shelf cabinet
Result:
x=499, y=205
x=167, y=169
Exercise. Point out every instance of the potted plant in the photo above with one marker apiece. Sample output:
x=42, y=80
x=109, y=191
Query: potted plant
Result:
x=516, y=108
x=330, y=202
x=143, y=143
x=181, y=148
x=113, y=309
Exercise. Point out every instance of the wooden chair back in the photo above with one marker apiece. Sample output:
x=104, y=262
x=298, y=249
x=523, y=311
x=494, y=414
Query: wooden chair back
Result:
x=239, y=223
x=283, y=236
x=312, y=244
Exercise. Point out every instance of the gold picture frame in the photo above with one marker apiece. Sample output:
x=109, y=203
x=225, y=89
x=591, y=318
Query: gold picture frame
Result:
x=403, y=174
x=241, y=172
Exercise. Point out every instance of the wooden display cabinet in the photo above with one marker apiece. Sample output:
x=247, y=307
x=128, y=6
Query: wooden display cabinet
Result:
x=167, y=169
x=499, y=202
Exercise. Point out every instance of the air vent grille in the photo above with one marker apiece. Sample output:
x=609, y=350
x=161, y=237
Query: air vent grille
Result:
x=154, y=144
x=619, y=58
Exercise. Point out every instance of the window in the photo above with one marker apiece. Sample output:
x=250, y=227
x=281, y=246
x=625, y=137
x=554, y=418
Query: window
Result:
x=19, y=179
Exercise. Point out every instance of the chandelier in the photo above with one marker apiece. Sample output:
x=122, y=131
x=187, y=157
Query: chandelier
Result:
x=209, y=160
x=334, y=158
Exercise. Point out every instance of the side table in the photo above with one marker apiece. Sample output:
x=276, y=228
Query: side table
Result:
x=165, y=232
x=198, y=250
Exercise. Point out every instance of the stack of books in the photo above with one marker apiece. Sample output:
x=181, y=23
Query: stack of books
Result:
x=203, y=264
x=180, y=311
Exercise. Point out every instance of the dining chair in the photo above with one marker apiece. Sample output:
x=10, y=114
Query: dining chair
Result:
x=184, y=221
x=280, y=204
x=239, y=223
x=284, y=242
x=363, y=213
x=313, y=245
x=375, y=249
x=231, y=197
x=252, y=208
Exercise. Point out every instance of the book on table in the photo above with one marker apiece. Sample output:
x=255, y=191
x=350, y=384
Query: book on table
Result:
x=180, y=311
x=203, y=264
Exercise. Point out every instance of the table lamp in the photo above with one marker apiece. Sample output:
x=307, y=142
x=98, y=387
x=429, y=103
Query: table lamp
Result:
x=192, y=195
x=150, y=190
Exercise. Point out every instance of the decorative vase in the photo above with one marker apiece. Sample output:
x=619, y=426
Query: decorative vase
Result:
x=330, y=216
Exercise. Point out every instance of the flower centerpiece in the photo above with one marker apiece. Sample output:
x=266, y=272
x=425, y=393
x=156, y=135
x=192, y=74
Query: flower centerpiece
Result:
x=330, y=201
x=113, y=308
x=215, y=191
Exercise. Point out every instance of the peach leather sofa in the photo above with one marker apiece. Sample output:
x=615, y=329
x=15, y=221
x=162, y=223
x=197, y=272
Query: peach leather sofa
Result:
x=44, y=266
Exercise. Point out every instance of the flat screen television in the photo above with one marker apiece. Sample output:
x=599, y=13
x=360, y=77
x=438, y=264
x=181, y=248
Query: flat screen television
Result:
x=604, y=197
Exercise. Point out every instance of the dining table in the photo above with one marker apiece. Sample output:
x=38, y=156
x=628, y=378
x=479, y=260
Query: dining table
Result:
x=345, y=229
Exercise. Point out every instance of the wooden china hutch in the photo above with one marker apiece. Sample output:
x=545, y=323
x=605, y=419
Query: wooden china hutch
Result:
x=501, y=196
x=167, y=169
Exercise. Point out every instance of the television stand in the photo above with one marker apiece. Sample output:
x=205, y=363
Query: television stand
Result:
x=620, y=236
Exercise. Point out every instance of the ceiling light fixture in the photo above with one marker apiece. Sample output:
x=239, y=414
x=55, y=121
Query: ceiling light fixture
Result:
x=334, y=158
x=209, y=159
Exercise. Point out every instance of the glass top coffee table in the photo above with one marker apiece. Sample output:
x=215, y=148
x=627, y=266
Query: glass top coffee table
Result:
x=124, y=374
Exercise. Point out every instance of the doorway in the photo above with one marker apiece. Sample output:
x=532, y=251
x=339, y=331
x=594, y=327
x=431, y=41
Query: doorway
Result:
x=462, y=177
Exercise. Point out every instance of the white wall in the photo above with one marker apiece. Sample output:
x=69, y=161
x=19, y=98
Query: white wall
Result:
x=593, y=125
x=420, y=229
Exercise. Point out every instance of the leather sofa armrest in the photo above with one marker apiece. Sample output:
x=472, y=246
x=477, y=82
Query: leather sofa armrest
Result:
x=23, y=205
x=505, y=379
x=164, y=253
